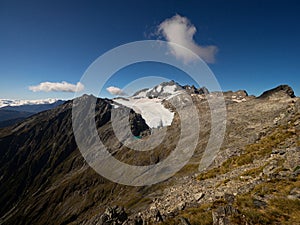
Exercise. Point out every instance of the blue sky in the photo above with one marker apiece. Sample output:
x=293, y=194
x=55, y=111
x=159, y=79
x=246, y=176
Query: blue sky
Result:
x=258, y=41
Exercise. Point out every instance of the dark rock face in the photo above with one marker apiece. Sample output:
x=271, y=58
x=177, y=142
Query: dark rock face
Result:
x=193, y=90
x=138, y=125
x=280, y=90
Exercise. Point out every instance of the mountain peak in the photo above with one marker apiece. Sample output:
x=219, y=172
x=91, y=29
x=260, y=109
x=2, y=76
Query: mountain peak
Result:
x=162, y=90
x=166, y=89
x=281, y=90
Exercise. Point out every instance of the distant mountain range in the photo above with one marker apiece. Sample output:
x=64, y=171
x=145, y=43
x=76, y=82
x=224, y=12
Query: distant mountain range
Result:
x=10, y=102
x=13, y=111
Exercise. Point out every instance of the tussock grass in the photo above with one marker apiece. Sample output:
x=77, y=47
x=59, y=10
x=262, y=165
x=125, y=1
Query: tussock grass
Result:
x=252, y=152
x=279, y=209
x=196, y=216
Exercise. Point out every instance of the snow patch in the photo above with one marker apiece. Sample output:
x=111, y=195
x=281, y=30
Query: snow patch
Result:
x=158, y=88
x=170, y=89
x=152, y=110
x=141, y=95
x=239, y=100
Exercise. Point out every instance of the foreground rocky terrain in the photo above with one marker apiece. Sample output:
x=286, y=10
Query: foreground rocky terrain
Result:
x=254, y=179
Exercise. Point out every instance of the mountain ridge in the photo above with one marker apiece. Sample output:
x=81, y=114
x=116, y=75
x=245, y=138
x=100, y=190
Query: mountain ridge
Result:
x=166, y=89
x=45, y=178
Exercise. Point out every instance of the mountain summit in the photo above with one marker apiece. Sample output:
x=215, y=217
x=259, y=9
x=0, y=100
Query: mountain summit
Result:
x=167, y=89
x=282, y=90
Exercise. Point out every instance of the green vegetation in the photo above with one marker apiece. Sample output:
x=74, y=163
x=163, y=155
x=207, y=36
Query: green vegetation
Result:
x=279, y=209
x=196, y=216
x=187, y=170
x=222, y=183
x=252, y=152
x=253, y=172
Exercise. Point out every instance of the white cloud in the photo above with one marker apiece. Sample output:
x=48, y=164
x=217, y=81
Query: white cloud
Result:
x=57, y=87
x=115, y=91
x=179, y=30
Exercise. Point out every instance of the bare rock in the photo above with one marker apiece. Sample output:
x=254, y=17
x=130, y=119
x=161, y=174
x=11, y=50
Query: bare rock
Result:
x=113, y=215
x=282, y=90
x=198, y=196
x=184, y=221
x=294, y=194
x=222, y=213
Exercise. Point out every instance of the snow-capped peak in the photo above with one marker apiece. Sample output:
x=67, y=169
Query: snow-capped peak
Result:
x=148, y=102
x=161, y=91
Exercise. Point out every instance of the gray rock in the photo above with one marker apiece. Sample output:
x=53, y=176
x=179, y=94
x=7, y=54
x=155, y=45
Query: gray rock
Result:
x=198, y=196
x=278, y=91
x=278, y=151
x=259, y=204
x=181, y=205
x=294, y=194
x=138, y=220
x=184, y=221
x=229, y=198
x=222, y=213
x=113, y=215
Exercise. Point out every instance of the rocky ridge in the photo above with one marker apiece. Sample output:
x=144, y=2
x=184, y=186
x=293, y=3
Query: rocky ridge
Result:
x=167, y=89
x=44, y=177
x=279, y=164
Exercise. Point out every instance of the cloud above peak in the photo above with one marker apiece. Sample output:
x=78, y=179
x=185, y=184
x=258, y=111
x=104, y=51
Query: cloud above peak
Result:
x=180, y=30
x=115, y=91
x=57, y=87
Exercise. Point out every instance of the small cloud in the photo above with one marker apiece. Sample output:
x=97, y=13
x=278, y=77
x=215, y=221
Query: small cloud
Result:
x=57, y=87
x=181, y=31
x=115, y=91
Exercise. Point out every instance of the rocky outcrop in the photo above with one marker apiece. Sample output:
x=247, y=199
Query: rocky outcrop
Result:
x=166, y=89
x=237, y=96
x=193, y=90
x=113, y=216
x=138, y=125
x=221, y=216
x=280, y=91
x=294, y=194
